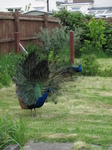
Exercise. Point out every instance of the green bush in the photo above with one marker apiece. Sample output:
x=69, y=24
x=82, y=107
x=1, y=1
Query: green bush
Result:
x=74, y=21
x=97, y=29
x=7, y=68
x=108, y=35
x=90, y=65
x=11, y=132
x=54, y=40
x=33, y=47
x=98, y=32
x=60, y=60
x=96, y=38
x=57, y=40
x=89, y=49
x=5, y=78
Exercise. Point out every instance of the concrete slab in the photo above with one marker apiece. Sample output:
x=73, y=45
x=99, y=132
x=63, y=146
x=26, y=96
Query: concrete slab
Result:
x=13, y=147
x=48, y=146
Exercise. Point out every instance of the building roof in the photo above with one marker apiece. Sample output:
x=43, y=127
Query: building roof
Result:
x=37, y=13
x=75, y=1
x=101, y=12
x=83, y=1
x=100, y=8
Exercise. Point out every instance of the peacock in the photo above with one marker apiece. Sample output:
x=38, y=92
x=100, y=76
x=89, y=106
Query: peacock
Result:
x=36, y=77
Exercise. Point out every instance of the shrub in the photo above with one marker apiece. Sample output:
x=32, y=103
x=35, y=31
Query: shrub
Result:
x=57, y=40
x=96, y=34
x=108, y=35
x=60, y=60
x=54, y=39
x=89, y=49
x=96, y=38
x=5, y=78
x=7, y=68
x=90, y=65
x=74, y=21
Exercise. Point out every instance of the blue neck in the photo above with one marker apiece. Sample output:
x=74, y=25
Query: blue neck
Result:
x=41, y=100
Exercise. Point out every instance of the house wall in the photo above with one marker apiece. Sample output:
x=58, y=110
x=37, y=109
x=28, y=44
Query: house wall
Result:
x=79, y=7
x=22, y=3
x=38, y=5
x=52, y=5
x=102, y=3
x=11, y=3
x=84, y=8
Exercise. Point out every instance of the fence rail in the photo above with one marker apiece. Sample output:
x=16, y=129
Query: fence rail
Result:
x=15, y=28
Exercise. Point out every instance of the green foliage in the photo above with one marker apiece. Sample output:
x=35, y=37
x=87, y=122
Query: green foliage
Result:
x=8, y=61
x=96, y=38
x=72, y=19
x=57, y=40
x=97, y=33
x=87, y=48
x=75, y=21
x=27, y=7
x=108, y=35
x=5, y=78
x=62, y=59
x=7, y=68
x=62, y=14
x=90, y=65
x=11, y=132
x=38, y=49
x=54, y=40
x=78, y=34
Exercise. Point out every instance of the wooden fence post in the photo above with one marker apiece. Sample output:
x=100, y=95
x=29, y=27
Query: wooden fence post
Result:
x=16, y=33
x=16, y=39
x=71, y=47
x=45, y=20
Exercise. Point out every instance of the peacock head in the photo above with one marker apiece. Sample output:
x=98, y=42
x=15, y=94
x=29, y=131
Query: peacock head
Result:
x=49, y=89
x=80, y=68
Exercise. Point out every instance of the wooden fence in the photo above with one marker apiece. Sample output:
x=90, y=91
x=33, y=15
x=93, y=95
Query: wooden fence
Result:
x=15, y=28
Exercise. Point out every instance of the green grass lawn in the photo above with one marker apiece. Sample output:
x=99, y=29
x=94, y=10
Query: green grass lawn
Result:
x=105, y=63
x=83, y=112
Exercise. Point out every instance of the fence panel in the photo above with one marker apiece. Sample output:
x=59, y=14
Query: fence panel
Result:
x=15, y=28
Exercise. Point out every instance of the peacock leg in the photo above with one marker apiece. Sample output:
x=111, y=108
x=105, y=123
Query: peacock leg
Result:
x=35, y=112
x=31, y=113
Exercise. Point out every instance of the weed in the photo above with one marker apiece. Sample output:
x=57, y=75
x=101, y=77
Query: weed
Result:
x=11, y=132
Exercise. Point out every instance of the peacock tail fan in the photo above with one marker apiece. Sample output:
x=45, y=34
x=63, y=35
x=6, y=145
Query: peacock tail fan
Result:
x=31, y=73
x=28, y=93
x=34, y=76
x=57, y=76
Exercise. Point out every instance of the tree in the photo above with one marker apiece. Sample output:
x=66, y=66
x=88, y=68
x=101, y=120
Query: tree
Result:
x=96, y=34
